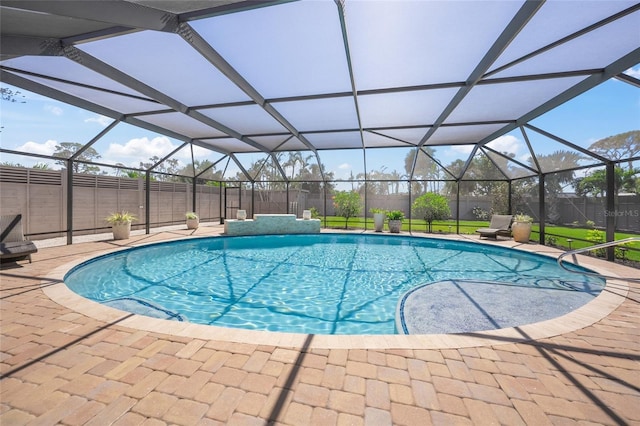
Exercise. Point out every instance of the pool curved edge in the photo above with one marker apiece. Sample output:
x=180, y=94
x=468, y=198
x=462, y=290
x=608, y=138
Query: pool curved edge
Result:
x=606, y=302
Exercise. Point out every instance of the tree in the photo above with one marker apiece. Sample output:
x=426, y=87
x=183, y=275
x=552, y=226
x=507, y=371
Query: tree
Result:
x=619, y=147
x=430, y=207
x=426, y=169
x=10, y=95
x=164, y=169
x=347, y=204
x=595, y=183
x=67, y=149
x=555, y=182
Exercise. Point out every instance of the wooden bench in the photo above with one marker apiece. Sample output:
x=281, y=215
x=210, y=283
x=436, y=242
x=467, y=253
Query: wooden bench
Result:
x=13, y=245
x=263, y=224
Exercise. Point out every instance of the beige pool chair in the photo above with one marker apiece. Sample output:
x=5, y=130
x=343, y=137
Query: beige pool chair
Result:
x=13, y=245
x=500, y=226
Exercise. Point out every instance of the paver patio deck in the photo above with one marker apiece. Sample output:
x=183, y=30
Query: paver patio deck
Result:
x=67, y=361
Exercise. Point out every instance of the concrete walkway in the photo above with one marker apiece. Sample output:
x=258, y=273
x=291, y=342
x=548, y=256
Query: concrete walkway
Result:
x=63, y=362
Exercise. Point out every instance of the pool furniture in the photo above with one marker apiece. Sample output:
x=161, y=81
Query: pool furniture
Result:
x=262, y=224
x=13, y=245
x=500, y=226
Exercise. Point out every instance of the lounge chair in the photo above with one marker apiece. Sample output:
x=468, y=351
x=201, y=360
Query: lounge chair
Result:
x=13, y=245
x=500, y=226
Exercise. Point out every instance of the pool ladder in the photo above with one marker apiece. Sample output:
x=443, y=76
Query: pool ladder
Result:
x=573, y=253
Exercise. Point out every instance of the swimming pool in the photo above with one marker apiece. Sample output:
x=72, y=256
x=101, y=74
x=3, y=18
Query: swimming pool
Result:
x=317, y=284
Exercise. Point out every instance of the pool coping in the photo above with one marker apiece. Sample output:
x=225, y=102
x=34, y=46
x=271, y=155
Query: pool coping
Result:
x=612, y=296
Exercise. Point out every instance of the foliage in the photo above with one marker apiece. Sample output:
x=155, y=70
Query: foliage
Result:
x=10, y=95
x=480, y=213
x=315, y=214
x=595, y=183
x=375, y=210
x=67, y=150
x=597, y=237
x=618, y=147
x=191, y=215
x=523, y=218
x=426, y=169
x=120, y=218
x=163, y=168
x=347, y=204
x=556, y=182
x=430, y=207
x=39, y=166
x=395, y=215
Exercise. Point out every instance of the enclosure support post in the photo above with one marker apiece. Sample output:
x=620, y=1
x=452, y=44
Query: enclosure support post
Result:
x=410, y=200
x=287, y=194
x=253, y=197
x=610, y=212
x=69, y=202
x=457, y=207
x=366, y=203
x=509, y=198
x=542, y=208
x=222, y=214
x=324, y=196
x=193, y=194
x=147, y=203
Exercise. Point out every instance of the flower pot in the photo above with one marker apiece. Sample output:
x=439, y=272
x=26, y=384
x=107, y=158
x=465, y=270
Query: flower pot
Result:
x=378, y=221
x=521, y=231
x=193, y=223
x=306, y=214
x=394, y=226
x=241, y=214
x=121, y=231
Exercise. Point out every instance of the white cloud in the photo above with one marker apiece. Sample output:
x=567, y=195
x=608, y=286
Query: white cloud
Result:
x=507, y=143
x=633, y=72
x=138, y=149
x=100, y=119
x=345, y=166
x=47, y=148
x=55, y=110
x=462, y=149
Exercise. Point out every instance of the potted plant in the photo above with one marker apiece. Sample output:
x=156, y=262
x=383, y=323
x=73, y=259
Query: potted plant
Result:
x=395, y=218
x=193, y=221
x=378, y=218
x=521, y=228
x=121, y=224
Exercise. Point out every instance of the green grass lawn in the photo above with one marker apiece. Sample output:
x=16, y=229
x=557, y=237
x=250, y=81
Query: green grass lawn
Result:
x=555, y=235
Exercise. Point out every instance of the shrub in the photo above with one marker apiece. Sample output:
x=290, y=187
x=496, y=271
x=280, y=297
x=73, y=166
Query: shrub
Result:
x=480, y=213
x=120, y=218
x=597, y=237
x=395, y=215
x=347, y=204
x=430, y=207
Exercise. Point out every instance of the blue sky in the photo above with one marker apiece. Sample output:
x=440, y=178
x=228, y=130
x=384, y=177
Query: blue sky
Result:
x=38, y=124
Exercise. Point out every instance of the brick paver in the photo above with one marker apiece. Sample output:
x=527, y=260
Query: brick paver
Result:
x=60, y=366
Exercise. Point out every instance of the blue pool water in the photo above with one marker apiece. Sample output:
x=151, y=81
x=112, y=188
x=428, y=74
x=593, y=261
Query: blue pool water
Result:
x=320, y=284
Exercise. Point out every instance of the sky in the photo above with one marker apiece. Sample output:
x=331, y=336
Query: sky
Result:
x=274, y=53
x=36, y=124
